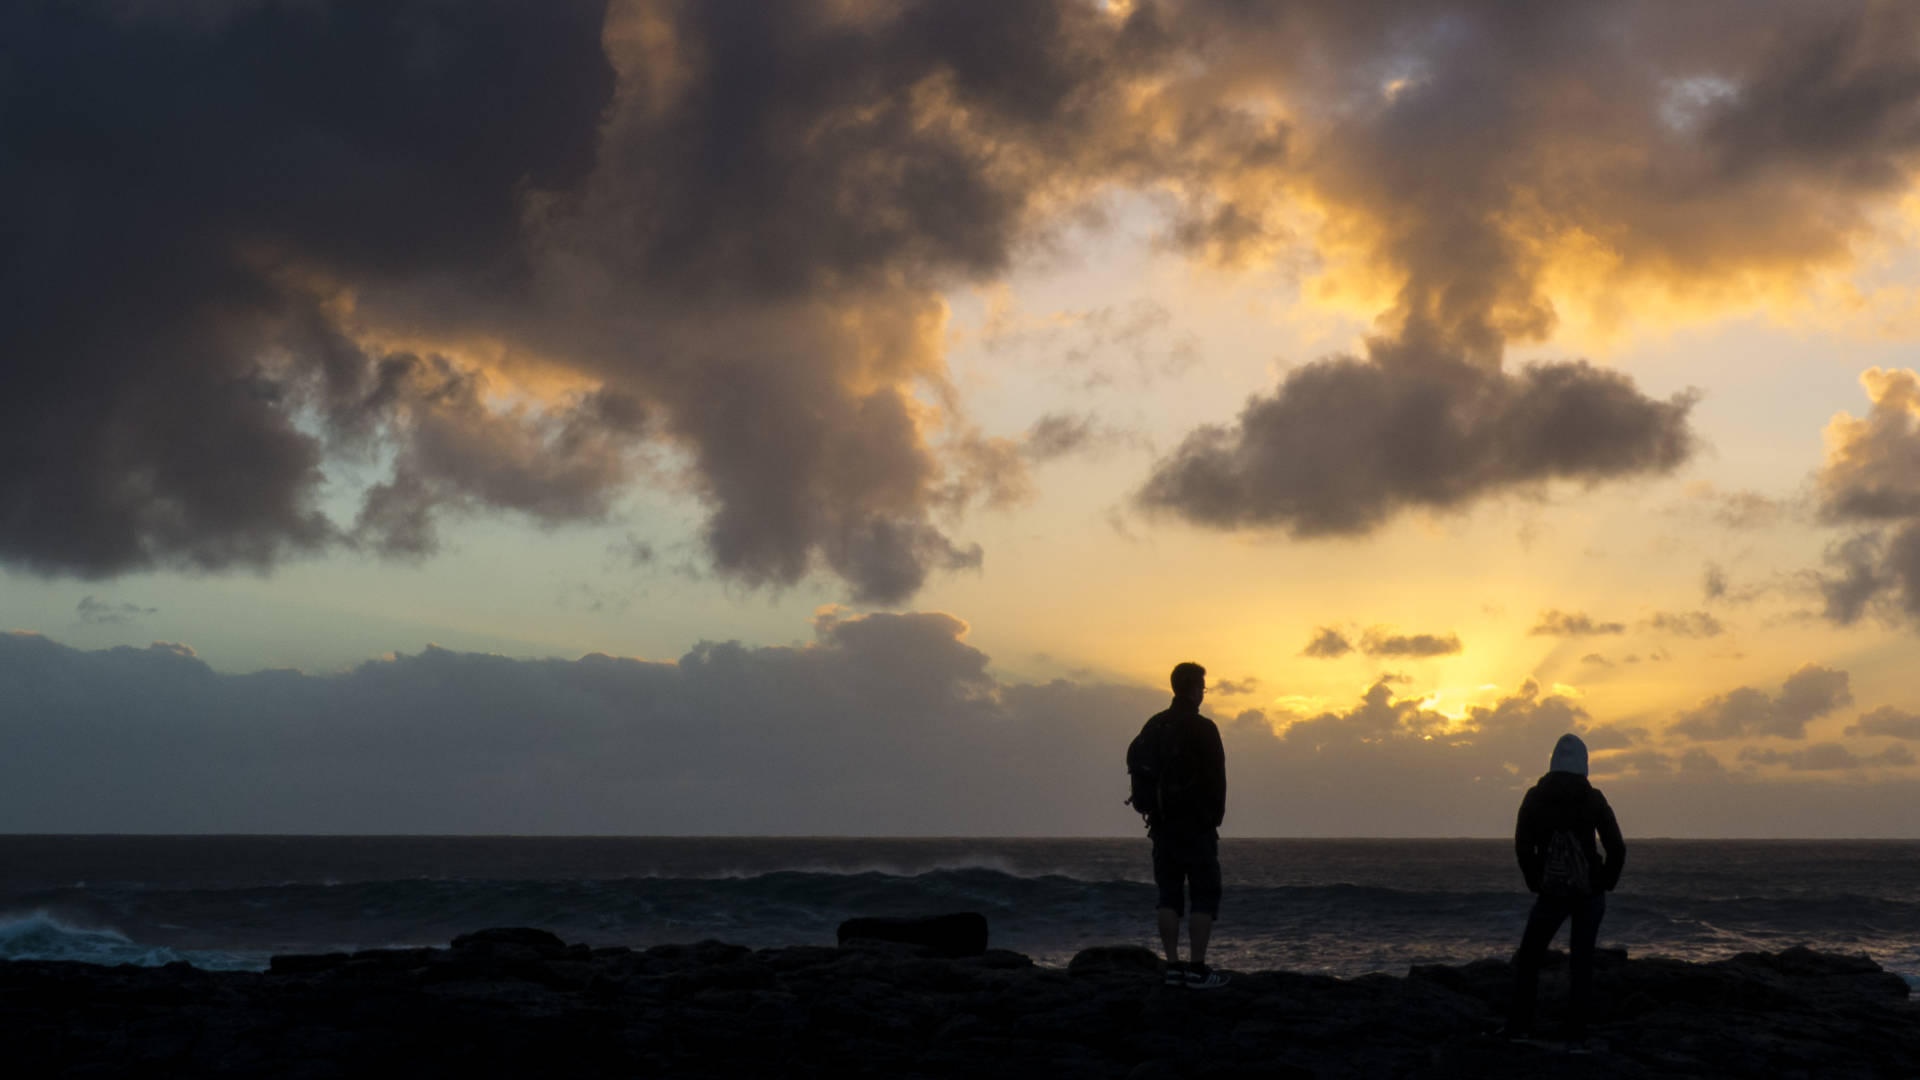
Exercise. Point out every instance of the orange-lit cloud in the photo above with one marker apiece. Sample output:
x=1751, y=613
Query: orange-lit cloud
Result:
x=1868, y=482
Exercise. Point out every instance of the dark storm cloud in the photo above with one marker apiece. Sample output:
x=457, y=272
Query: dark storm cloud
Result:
x=1887, y=720
x=734, y=221
x=724, y=230
x=1327, y=644
x=453, y=452
x=814, y=174
x=1381, y=642
x=1345, y=444
x=1808, y=694
x=1856, y=577
x=798, y=149
x=803, y=175
x=167, y=177
x=882, y=724
x=1556, y=623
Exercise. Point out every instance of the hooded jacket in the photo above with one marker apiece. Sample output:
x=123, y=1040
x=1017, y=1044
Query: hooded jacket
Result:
x=1565, y=800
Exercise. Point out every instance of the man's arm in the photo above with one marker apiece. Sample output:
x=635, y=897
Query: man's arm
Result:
x=1217, y=770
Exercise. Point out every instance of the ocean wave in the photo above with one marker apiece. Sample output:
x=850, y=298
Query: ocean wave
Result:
x=1336, y=928
x=38, y=935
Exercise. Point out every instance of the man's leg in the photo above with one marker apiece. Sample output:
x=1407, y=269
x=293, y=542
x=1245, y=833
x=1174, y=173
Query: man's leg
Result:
x=1169, y=878
x=1586, y=930
x=1199, y=929
x=1542, y=923
x=1206, y=896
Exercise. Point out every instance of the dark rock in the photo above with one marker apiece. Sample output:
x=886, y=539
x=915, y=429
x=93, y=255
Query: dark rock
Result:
x=960, y=934
x=305, y=963
x=1111, y=959
x=1001, y=960
x=894, y=950
x=542, y=942
x=516, y=1002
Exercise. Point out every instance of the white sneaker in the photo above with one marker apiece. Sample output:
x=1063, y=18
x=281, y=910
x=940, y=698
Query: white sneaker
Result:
x=1202, y=977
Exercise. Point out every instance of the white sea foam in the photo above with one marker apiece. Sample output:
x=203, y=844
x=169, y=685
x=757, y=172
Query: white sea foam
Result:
x=38, y=935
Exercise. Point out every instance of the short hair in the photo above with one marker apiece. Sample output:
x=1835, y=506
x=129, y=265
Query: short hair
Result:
x=1187, y=675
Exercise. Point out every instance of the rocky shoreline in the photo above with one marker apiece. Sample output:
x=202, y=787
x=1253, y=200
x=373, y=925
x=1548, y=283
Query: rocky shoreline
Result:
x=522, y=1002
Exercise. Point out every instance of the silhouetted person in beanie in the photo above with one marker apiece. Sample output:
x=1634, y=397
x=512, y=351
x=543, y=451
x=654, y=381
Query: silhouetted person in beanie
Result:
x=1554, y=840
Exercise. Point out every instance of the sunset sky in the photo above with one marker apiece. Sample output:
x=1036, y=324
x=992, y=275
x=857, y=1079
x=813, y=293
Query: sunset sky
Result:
x=837, y=417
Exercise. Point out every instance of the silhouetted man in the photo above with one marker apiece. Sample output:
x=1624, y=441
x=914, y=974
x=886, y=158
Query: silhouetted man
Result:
x=1554, y=840
x=1192, y=800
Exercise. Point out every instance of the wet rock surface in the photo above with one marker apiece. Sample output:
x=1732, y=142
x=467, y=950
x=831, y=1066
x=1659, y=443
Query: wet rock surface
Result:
x=523, y=1002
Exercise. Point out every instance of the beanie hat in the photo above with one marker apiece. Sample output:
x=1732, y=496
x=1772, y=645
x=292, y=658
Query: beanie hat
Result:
x=1569, y=755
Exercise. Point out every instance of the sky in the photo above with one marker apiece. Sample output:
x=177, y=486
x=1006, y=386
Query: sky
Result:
x=838, y=417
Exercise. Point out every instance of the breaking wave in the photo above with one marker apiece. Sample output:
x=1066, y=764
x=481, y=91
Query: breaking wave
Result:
x=40, y=936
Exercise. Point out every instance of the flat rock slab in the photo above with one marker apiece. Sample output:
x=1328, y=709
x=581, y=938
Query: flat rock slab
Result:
x=522, y=1002
x=959, y=934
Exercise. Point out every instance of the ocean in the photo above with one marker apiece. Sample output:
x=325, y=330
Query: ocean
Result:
x=1343, y=907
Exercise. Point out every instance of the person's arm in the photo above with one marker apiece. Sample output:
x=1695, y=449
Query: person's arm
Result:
x=1612, y=841
x=1218, y=768
x=1523, y=849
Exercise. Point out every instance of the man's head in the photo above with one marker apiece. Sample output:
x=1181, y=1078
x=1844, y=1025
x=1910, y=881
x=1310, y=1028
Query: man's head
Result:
x=1189, y=681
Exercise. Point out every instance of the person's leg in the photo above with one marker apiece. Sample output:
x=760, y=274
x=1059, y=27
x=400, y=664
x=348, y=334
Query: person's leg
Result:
x=1205, y=882
x=1199, y=929
x=1586, y=930
x=1542, y=923
x=1169, y=878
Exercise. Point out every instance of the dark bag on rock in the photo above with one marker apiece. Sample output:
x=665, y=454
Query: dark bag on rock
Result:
x=1566, y=872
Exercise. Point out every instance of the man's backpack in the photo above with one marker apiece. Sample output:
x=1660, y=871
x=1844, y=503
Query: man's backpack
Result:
x=1156, y=768
x=1566, y=872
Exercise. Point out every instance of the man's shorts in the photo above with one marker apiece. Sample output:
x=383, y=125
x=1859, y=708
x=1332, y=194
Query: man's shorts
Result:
x=1192, y=859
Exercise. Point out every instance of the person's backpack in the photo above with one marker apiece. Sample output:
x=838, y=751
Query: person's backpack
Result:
x=1565, y=872
x=1156, y=769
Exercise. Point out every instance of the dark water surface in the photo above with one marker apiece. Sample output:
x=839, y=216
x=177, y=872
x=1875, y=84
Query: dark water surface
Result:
x=1339, y=906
